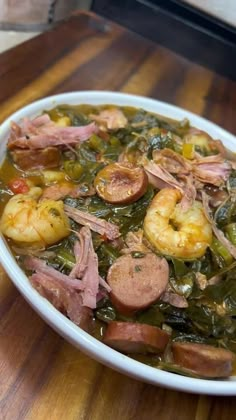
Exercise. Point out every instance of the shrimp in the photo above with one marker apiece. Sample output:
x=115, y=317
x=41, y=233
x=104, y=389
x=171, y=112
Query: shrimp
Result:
x=174, y=232
x=28, y=221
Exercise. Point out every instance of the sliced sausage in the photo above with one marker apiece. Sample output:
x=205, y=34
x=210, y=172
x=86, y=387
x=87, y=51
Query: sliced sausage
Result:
x=26, y=159
x=137, y=282
x=121, y=183
x=130, y=337
x=203, y=359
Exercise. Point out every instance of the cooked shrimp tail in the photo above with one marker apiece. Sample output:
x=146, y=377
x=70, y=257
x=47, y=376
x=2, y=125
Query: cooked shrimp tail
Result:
x=174, y=232
x=28, y=221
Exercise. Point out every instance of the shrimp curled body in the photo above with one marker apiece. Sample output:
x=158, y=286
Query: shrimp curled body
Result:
x=28, y=221
x=174, y=232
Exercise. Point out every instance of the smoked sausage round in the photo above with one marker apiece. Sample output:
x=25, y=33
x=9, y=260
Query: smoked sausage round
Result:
x=121, y=183
x=204, y=360
x=131, y=337
x=137, y=282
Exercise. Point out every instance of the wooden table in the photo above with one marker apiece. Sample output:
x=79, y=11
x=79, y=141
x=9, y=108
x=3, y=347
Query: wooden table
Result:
x=41, y=375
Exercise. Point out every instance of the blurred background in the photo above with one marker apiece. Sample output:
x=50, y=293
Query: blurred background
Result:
x=23, y=19
x=222, y=9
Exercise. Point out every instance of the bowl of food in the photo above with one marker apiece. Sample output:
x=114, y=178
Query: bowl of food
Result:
x=118, y=222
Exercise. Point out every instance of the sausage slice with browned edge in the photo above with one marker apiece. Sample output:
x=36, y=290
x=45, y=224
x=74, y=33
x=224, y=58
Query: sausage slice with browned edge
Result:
x=204, y=360
x=137, y=282
x=26, y=159
x=120, y=183
x=131, y=337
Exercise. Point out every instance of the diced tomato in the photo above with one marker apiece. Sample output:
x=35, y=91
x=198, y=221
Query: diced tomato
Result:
x=18, y=186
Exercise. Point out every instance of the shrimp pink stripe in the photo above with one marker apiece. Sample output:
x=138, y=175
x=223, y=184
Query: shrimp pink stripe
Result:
x=101, y=226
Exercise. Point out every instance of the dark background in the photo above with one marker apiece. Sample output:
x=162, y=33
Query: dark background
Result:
x=180, y=27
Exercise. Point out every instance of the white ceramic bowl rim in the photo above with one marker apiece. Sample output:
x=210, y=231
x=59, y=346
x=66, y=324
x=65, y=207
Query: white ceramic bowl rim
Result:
x=54, y=318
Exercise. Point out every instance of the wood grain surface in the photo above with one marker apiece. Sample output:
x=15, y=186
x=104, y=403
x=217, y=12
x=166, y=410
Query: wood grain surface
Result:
x=41, y=375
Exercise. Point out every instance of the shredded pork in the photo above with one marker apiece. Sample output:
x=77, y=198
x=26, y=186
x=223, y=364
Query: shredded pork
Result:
x=86, y=268
x=101, y=226
x=60, y=191
x=76, y=294
x=212, y=170
x=171, y=161
x=66, y=300
x=110, y=119
x=218, y=233
x=42, y=132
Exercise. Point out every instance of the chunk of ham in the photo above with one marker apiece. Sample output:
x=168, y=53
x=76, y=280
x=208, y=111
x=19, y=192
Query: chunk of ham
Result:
x=62, y=190
x=42, y=132
x=86, y=268
x=190, y=192
x=212, y=170
x=110, y=119
x=101, y=226
x=66, y=300
x=81, y=251
x=218, y=233
x=160, y=178
x=25, y=159
x=40, y=266
x=173, y=162
x=81, y=285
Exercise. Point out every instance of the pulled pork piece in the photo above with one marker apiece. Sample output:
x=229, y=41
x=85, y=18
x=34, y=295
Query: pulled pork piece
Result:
x=65, y=299
x=50, y=157
x=101, y=226
x=160, y=178
x=41, y=267
x=86, y=268
x=43, y=132
x=111, y=119
x=218, y=233
x=174, y=299
x=171, y=161
x=60, y=191
x=134, y=243
x=212, y=170
x=81, y=251
x=190, y=192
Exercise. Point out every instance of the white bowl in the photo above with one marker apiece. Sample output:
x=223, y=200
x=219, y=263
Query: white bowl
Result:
x=53, y=317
